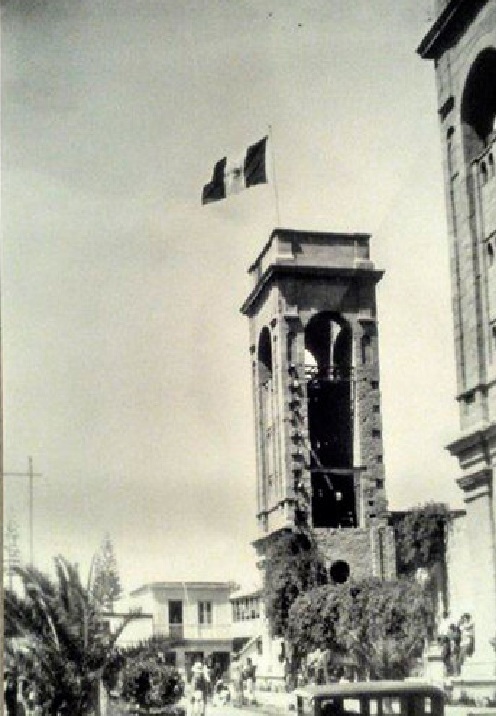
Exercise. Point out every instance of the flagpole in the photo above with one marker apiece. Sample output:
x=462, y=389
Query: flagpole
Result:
x=276, y=194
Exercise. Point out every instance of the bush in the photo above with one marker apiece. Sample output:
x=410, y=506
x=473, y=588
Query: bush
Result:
x=148, y=682
x=380, y=626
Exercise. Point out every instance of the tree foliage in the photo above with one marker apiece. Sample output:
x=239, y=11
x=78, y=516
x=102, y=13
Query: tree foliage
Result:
x=145, y=665
x=382, y=626
x=106, y=586
x=56, y=636
x=293, y=565
x=420, y=537
x=12, y=552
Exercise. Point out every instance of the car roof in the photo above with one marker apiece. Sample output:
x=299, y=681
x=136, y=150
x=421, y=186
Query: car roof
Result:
x=367, y=687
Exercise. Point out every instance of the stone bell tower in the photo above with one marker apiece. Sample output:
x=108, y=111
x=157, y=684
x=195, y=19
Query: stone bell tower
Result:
x=317, y=403
x=462, y=43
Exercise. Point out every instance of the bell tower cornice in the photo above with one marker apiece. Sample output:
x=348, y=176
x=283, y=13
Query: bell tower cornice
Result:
x=296, y=253
x=453, y=18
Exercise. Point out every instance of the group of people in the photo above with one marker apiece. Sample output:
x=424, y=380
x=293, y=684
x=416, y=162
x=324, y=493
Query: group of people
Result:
x=316, y=668
x=205, y=684
x=456, y=639
x=243, y=678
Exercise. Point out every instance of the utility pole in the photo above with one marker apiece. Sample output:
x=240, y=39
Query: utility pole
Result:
x=31, y=475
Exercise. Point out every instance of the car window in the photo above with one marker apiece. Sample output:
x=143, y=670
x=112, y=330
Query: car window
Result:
x=305, y=706
x=351, y=706
x=391, y=705
x=373, y=707
x=329, y=707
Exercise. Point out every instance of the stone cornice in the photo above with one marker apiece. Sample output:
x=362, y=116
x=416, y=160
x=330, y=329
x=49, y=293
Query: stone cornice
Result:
x=476, y=483
x=455, y=15
x=290, y=269
x=474, y=437
x=303, y=235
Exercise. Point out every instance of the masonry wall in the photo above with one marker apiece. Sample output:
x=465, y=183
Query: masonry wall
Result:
x=369, y=552
x=286, y=310
x=473, y=340
x=459, y=567
x=470, y=188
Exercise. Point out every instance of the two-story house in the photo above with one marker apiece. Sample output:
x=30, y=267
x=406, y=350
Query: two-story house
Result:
x=194, y=617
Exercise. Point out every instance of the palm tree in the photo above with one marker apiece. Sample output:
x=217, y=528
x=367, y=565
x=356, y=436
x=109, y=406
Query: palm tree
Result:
x=57, y=636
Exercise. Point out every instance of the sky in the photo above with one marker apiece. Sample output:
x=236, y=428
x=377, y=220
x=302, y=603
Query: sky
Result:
x=125, y=356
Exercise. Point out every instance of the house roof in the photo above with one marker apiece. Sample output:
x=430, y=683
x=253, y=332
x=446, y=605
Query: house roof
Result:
x=367, y=687
x=185, y=586
x=250, y=589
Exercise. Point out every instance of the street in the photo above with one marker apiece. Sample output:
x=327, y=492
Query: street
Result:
x=266, y=709
x=120, y=709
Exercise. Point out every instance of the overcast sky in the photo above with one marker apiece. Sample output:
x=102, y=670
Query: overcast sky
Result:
x=126, y=364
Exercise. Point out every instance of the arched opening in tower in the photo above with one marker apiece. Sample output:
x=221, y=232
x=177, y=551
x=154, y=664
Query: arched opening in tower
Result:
x=330, y=419
x=478, y=106
x=266, y=411
x=265, y=356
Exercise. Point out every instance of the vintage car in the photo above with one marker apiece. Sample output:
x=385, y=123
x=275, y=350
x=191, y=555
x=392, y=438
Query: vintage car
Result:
x=370, y=698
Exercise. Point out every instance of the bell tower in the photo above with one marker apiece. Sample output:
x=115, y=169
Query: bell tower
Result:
x=462, y=44
x=316, y=391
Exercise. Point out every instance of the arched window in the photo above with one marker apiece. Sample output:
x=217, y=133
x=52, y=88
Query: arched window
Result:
x=366, y=349
x=328, y=348
x=266, y=407
x=328, y=344
x=265, y=356
x=450, y=151
x=478, y=105
x=483, y=172
x=290, y=347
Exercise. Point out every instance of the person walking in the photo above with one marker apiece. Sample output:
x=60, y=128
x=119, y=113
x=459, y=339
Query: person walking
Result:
x=208, y=672
x=237, y=681
x=198, y=689
x=467, y=640
x=454, y=649
x=249, y=680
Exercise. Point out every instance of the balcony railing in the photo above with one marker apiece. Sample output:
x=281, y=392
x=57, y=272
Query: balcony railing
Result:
x=176, y=631
x=332, y=373
x=194, y=631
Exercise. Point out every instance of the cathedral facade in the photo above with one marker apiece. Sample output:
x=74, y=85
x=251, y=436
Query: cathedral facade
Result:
x=462, y=45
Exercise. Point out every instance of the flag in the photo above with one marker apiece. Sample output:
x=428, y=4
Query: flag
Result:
x=232, y=176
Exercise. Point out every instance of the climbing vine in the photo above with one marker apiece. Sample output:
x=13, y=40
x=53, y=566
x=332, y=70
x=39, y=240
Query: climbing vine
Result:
x=421, y=537
x=293, y=565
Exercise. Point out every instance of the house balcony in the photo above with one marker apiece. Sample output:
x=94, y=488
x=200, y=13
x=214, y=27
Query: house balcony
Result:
x=193, y=631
